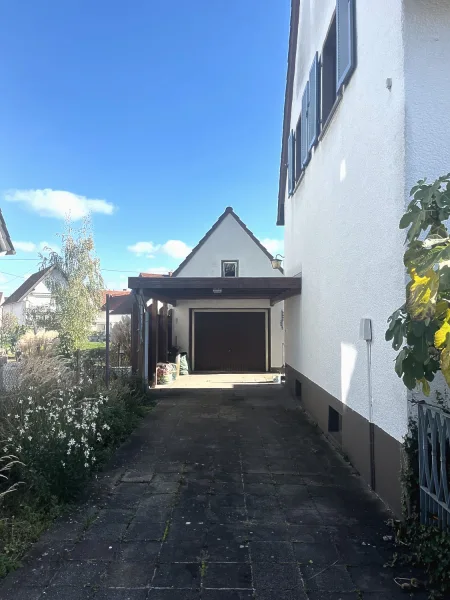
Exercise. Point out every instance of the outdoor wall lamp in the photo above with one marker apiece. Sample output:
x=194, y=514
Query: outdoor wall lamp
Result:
x=276, y=262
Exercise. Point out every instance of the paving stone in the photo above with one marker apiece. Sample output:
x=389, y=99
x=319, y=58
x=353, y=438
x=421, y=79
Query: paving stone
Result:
x=95, y=549
x=227, y=595
x=359, y=553
x=139, y=551
x=271, y=576
x=141, y=530
x=267, y=532
x=306, y=518
x=177, y=575
x=66, y=593
x=261, y=489
x=109, y=531
x=316, y=553
x=187, y=552
x=187, y=530
x=297, y=594
x=283, y=466
x=373, y=578
x=335, y=578
x=79, y=573
x=276, y=552
x=228, y=575
x=227, y=501
x=138, y=476
x=128, y=574
x=120, y=594
x=35, y=574
x=23, y=593
x=227, y=532
x=155, y=594
x=227, y=551
x=50, y=551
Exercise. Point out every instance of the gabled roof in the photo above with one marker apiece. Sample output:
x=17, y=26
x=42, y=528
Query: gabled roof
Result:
x=28, y=285
x=228, y=211
x=292, y=54
x=120, y=302
x=6, y=244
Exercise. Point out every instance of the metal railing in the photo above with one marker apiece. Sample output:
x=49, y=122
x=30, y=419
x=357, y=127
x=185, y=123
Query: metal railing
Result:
x=434, y=466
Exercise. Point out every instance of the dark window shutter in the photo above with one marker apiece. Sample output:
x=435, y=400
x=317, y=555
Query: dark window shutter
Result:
x=291, y=163
x=304, y=140
x=313, y=106
x=346, y=41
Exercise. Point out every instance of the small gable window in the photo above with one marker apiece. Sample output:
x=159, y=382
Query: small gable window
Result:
x=230, y=268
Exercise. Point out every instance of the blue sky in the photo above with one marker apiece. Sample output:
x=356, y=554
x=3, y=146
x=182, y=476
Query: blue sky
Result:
x=154, y=115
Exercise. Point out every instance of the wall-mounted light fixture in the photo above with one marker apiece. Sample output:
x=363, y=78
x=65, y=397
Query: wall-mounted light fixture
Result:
x=276, y=262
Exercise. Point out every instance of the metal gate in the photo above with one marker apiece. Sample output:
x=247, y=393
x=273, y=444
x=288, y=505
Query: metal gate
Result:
x=434, y=466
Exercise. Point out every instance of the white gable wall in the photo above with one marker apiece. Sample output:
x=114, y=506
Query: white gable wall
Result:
x=230, y=242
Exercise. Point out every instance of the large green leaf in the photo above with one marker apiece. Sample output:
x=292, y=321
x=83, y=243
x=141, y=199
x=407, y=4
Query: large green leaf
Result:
x=440, y=337
x=445, y=364
x=422, y=295
x=399, y=361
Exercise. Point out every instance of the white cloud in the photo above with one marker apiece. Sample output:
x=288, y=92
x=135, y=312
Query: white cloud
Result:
x=25, y=246
x=32, y=247
x=176, y=249
x=273, y=246
x=59, y=203
x=141, y=248
x=173, y=248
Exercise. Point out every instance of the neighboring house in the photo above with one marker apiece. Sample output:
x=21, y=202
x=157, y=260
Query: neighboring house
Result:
x=229, y=334
x=6, y=245
x=366, y=116
x=120, y=303
x=33, y=292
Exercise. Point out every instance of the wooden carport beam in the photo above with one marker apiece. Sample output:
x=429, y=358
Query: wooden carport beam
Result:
x=285, y=295
x=151, y=286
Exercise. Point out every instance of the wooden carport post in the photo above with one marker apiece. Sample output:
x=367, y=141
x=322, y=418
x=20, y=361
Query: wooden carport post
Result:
x=153, y=342
x=134, y=334
x=163, y=340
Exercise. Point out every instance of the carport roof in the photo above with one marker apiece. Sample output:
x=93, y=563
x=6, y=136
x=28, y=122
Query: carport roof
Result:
x=171, y=289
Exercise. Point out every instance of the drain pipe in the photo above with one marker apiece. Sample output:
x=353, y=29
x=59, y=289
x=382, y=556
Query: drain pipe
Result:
x=366, y=334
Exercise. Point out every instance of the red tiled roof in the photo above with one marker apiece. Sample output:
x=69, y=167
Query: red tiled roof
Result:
x=119, y=302
x=154, y=275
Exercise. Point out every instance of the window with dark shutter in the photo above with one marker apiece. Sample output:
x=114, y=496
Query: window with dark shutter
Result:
x=304, y=127
x=298, y=150
x=313, y=103
x=291, y=163
x=329, y=61
x=346, y=41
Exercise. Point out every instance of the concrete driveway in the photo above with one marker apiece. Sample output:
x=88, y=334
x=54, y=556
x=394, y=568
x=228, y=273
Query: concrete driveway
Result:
x=222, y=494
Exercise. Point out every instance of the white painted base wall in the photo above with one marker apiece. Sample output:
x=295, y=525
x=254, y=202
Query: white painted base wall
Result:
x=181, y=322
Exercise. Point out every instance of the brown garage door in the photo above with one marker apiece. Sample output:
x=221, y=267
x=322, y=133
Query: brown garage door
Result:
x=233, y=342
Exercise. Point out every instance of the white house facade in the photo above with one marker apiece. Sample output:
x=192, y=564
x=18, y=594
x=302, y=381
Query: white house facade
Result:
x=229, y=334
x=365, y=117
x=32, y=293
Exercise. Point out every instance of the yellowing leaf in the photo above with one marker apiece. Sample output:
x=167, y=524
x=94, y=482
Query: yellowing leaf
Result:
x=425, y=386
x=440, y=337
x=445, y=364
x=422, y=294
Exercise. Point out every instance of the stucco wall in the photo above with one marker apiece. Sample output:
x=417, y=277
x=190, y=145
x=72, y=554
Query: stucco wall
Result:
x=341, y=229
x=229, y=242
x=181, y=322
x=17, y=309
x=427, y=84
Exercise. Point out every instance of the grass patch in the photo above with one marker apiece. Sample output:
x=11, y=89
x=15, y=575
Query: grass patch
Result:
x=93, y=345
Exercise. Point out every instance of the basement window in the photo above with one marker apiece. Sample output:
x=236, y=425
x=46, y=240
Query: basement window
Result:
x=230, y=268
x=334, y=420
x=329, y=62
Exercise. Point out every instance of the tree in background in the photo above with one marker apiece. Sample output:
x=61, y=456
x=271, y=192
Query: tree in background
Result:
x=121, y=339
x=10, y=332
x=78, y=293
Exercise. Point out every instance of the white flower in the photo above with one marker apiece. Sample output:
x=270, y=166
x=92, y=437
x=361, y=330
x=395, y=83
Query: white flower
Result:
x=30, y=398
x=71, y=442
x=29, y=438
x=63, y=463
x=86, y=465
x=21, y=431
x=16, y=417
x=107, y=427
x=5, y=449
x=10, y=439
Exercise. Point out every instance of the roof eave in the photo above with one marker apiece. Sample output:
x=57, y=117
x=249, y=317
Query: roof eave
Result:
x=288, y=96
